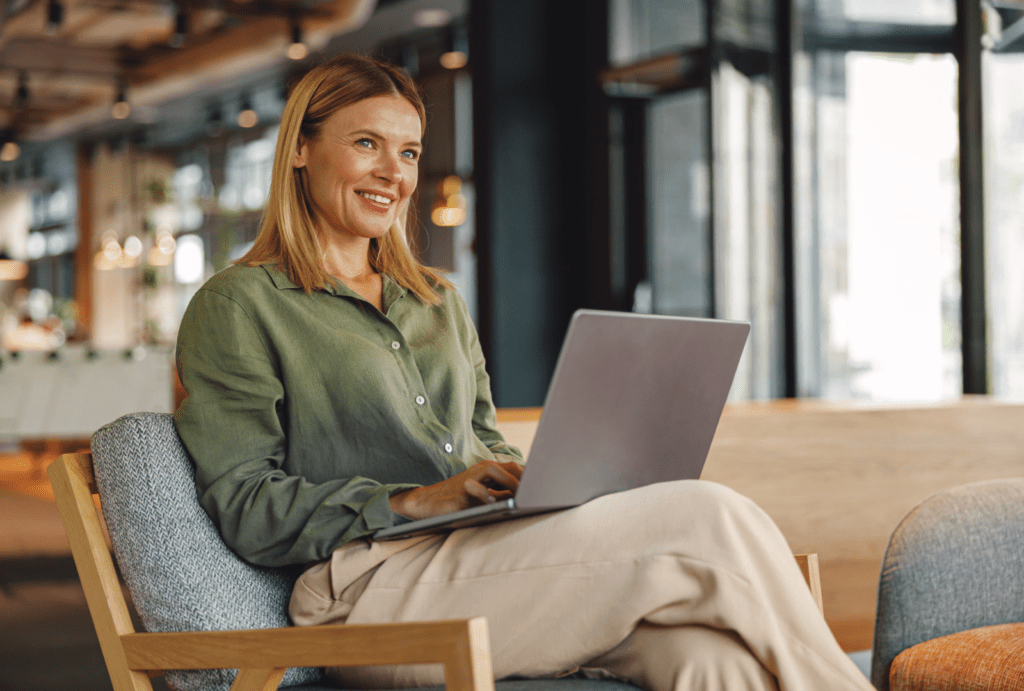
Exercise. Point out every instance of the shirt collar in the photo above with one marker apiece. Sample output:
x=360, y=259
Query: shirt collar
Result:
x=391, y=288
x=279, y=278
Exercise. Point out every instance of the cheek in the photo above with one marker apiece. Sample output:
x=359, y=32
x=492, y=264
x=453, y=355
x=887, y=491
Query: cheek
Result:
x=410, y=183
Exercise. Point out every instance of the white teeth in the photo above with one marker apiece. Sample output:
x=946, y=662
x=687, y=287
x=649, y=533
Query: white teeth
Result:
x=374, y=197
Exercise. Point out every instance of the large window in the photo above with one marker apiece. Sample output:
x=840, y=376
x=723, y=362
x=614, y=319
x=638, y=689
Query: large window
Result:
x=881, y=252
x=803, y=172
x=1004, y=216
x=710, y=166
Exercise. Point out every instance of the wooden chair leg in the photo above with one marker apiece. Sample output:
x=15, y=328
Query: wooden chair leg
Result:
x=469, y=668
x=808, y=564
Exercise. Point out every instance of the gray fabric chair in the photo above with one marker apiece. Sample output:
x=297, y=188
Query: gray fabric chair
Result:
x=180, y=574
x=956, y=562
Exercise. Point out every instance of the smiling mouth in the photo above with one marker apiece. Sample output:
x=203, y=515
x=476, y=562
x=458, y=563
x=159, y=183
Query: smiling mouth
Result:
x=375, y=198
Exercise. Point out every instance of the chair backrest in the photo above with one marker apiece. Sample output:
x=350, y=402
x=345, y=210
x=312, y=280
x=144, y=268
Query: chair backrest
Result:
x=181, y=575
x=956, y=562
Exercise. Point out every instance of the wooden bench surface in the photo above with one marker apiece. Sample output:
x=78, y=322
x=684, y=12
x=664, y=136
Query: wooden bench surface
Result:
x=838, y=477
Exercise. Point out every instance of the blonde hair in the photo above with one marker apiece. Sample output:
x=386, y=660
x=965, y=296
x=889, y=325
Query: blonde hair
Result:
x=288, y=236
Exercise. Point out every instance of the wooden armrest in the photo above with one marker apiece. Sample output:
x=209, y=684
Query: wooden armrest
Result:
x=462, y=646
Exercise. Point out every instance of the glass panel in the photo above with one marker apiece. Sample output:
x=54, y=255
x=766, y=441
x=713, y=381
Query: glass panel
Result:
x=746, y=226
x=932, y=12
x=746, y=23
x=879, y=228
x=678, y=198
x=639, y=29
x=1004, y=219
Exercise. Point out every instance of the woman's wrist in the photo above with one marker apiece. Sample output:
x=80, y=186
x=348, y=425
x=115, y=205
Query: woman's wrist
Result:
x=403, y=503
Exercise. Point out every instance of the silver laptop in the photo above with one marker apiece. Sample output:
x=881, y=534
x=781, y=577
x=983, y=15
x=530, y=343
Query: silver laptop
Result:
x=635, y=399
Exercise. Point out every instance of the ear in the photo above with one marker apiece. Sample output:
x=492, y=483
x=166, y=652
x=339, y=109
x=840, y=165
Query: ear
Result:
x=299, y=158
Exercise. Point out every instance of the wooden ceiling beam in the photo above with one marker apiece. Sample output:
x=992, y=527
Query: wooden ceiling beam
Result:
x=251, y=37
x=46, y=55
x=159, y=74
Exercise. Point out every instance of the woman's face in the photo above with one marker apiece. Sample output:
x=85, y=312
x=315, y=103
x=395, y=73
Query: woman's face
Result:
x=363, y=166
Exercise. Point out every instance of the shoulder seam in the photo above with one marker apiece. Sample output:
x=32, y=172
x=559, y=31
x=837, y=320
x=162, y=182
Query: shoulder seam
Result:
x=255, y=326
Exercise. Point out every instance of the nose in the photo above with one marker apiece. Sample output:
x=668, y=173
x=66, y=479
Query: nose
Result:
x=389, y=167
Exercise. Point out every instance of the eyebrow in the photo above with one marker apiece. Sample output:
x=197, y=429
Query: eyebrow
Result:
x=378, y=135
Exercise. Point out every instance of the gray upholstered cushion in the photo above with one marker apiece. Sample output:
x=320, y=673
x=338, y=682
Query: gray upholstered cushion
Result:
x=956, y=562
x=181, y=575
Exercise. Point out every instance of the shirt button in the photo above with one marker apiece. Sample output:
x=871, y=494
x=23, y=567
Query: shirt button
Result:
x=448, y=448
x=420, y=400
x=396, y=345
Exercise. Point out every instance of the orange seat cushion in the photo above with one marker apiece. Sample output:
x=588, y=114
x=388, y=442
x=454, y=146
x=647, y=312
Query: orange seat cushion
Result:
x=990, y=658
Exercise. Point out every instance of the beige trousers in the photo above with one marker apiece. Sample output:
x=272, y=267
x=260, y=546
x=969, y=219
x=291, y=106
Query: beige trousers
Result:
x=681, y=585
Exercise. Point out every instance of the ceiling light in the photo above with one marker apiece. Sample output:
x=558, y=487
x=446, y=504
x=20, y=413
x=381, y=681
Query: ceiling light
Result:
x=454, y=59
x=456, y=50
x=12, y=269
x=54, y=16
x=248, y=117
x=21, y=95
x=450, y=208
x=297, y=50
x=431, y=18
x=132, y=246
x=9, y=150
x=121, y=108
x=177, y=39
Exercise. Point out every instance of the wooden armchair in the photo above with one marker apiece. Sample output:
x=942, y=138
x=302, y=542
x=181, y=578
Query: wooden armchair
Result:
x=262, y=655
x=142, y=473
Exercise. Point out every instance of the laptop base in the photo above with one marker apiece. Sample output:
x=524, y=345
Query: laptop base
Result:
x=478, y=515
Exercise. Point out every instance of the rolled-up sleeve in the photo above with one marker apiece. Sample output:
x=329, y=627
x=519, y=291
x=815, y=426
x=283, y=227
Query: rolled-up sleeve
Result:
x=231, y=424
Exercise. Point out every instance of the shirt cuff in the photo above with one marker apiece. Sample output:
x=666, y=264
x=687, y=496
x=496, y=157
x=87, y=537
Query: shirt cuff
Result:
x=377, y=513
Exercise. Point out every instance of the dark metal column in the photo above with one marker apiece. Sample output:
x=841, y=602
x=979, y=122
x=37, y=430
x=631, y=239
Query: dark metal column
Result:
x=784, y=18
x=540, y=146
x=972, y=221
x=711, y=66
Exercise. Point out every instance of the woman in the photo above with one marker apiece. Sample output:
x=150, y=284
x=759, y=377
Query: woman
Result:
x=336, y=387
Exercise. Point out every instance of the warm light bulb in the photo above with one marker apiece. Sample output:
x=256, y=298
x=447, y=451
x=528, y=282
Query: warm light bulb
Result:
x=12, y=270
x=133, y=246
x=248, y=118
x=451, y=185
x=454, y=60
x=447, y=216
x=112, y=251
x=121, y=110
x=431, y=18
x=156, y=257
x=166, y=244
x=298, y=51
x=10, y=152
x=102, y=262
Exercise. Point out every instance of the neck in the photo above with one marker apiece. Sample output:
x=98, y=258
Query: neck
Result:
x=348, y=259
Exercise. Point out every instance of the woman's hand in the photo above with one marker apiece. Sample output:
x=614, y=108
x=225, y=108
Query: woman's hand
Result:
x=482, y=483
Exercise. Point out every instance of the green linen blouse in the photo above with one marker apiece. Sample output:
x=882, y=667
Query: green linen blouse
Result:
x=305, y=413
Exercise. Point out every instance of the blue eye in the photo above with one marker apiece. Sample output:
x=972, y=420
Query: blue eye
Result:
x=365, y=142
x=412, y=154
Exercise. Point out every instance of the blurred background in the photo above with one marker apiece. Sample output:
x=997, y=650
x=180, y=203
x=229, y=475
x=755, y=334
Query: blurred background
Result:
x=844, y=174
x=847, y=175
